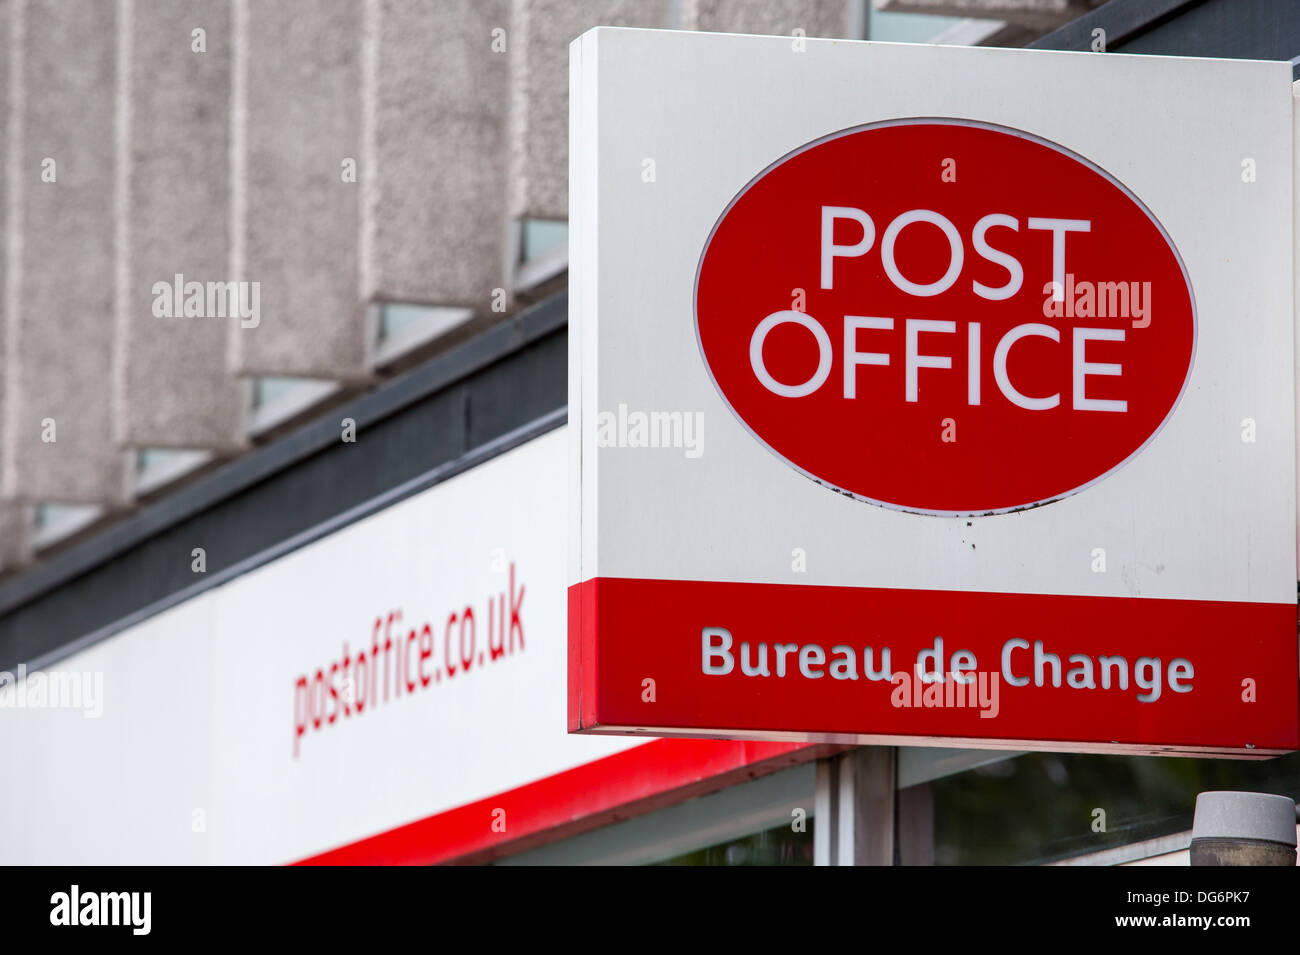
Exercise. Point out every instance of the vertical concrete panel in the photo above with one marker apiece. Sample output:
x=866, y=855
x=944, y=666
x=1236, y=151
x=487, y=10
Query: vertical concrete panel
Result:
x=173, y=387
x=820, y=18
x=12, y=523
x=541, y=31
x=8, y=161
x=297, y=118
x=59, y=334
x=437, y=180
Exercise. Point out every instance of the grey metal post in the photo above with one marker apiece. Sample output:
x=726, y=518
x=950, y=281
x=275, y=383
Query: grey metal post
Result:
x=855, y=808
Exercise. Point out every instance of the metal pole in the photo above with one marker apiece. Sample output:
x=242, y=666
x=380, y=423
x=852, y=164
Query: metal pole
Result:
x=855, y=808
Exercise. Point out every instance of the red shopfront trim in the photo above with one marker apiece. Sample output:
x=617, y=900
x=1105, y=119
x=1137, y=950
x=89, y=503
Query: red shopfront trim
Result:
x=631, y=783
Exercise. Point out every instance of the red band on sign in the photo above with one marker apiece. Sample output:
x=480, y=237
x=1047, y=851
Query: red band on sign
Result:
x=835, y=664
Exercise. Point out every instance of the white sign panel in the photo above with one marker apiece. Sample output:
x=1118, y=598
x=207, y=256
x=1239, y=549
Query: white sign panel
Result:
x=905, y=370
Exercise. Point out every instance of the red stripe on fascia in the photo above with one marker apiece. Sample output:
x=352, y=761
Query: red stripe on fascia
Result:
x=636, y=781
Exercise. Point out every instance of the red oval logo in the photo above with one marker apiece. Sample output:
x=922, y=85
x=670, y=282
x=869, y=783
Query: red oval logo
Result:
x=945, y=317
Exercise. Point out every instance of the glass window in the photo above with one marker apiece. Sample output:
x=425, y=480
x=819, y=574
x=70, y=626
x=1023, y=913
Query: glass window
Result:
x=778, y=846
x=1042, y=807
x=907, y=27
x=541, y=236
